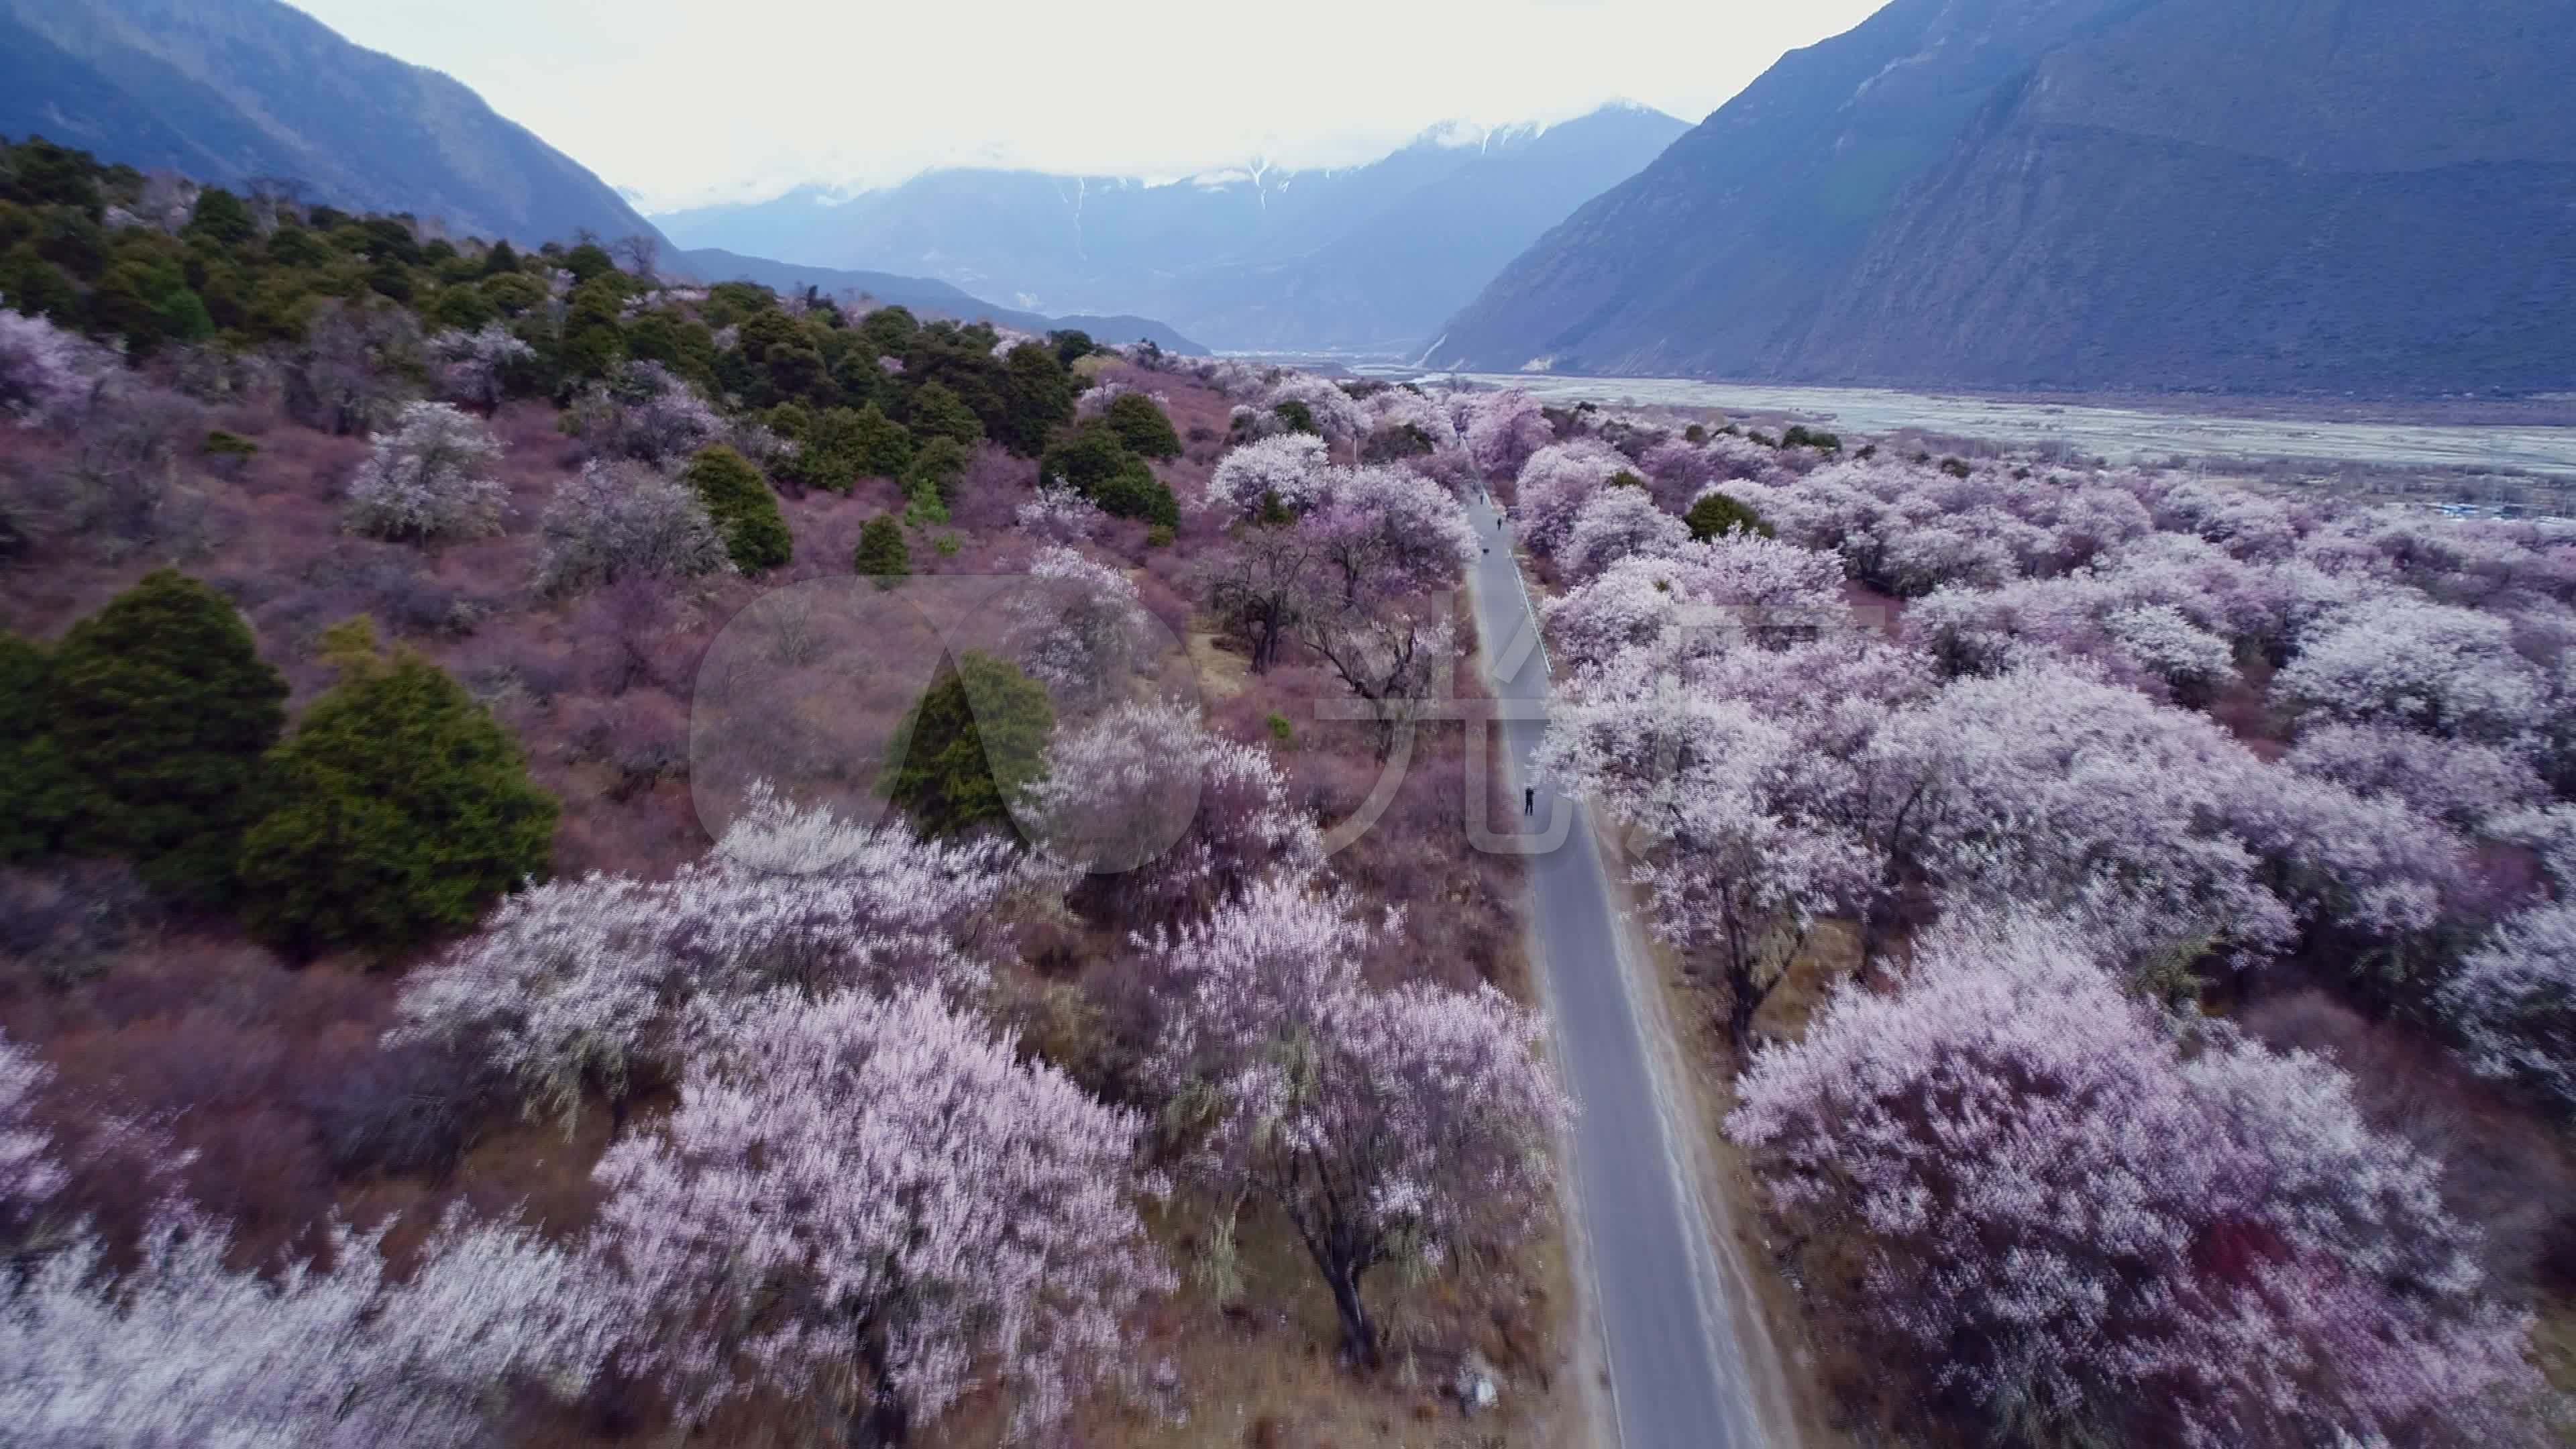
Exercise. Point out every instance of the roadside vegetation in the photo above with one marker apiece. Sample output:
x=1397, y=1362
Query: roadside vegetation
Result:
x=2132, y=905
x=477, y=855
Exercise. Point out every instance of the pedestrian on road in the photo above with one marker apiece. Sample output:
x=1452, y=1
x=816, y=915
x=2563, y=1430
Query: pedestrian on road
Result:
x=1529, y=800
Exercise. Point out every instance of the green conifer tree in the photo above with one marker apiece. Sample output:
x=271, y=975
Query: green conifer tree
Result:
x=401, y=811
x=163, y=709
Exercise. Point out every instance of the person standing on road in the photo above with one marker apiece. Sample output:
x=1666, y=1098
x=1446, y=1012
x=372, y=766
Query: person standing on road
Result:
x=1529, y=800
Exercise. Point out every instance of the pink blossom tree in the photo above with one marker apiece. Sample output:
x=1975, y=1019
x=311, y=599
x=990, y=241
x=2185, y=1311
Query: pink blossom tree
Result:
x=1164, y=814
x=2058, y=788
x=1502, y=430
x=1404, y=407
x=180, y=1349
x=1618, y=523
x=2513, y=1001
x=2458, y=782
x=1060, y=515
x=645, y=412
x=615, y=520
x=1737, y=852
x=873, y=1200
x=1386, y=1126
x=473, y=367
x=1289, y=471
x=1696, y=600
x=1555, y=484
x=1386, y=530
x=2067, y=1225
x=429, y=479
x=47, y=374
x=2447, y=671
x=1339, y=418
x=581, y=985
x=1077, y=625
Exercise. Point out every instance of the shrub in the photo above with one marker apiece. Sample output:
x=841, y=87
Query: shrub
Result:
x=1299, y=417
x=881, y=554
x=931, y=478
x=402, y=810
x=354, y=367
x=1094, y=463
x=429, y=479
x=227, y=453
x=1137, y=493
x=1716, y=515
x=966, y=749
x=1396, y=442
x=616, y=521
x=646, y=412
x=830, y=448
x=743, y=508
x=163, y=709
x=1142, y=427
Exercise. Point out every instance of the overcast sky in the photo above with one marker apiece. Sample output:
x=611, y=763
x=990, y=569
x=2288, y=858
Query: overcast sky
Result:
x=682, y=101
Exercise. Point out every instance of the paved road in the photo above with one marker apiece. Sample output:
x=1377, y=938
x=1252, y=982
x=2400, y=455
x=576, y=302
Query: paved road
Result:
x=1677, y=1367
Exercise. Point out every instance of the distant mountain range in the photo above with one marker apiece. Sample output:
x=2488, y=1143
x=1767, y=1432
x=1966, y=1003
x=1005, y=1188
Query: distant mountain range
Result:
x=920, y=294
x=2287, y=196
x=1368, y=258
x=235, y=92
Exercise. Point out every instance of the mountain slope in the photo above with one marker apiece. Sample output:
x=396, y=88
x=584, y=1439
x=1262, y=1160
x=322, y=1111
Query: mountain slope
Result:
x=1372, y=256
x=231, y=90
x=920, y=294
x=2371, y=195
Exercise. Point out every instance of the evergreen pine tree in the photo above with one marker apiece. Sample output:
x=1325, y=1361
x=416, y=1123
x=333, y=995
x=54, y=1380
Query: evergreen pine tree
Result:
x=882, y=554
x=744, y=509
x=1142, y=426
x=936, y=411
x=401, y=811
x=975, y=738
x=884, y=446
x=1716, y=514
x=163, y=708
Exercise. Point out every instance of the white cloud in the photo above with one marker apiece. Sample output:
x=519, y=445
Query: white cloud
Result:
x=681, y=101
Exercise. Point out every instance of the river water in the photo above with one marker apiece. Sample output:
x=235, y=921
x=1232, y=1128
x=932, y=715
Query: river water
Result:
x=2119, y=434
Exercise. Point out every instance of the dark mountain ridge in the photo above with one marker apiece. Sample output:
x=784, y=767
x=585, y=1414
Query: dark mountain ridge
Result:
x=2304, y=196
x=232, y=91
